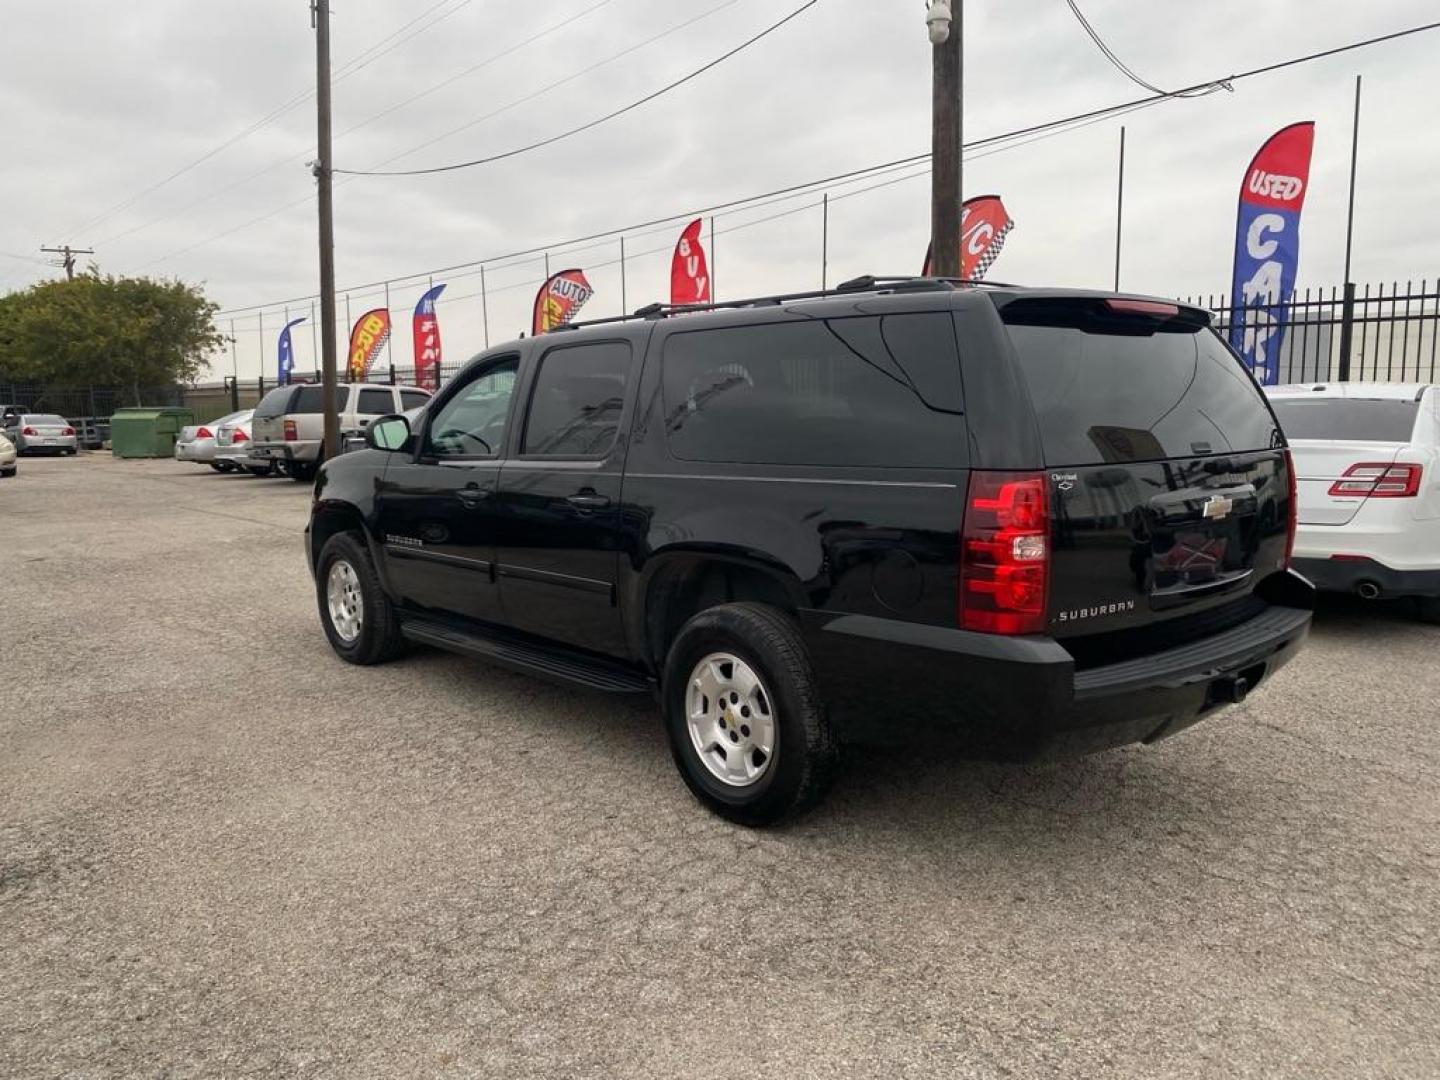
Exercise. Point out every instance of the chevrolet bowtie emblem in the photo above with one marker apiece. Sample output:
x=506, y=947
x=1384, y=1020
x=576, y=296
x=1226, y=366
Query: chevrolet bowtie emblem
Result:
x=1216, y=507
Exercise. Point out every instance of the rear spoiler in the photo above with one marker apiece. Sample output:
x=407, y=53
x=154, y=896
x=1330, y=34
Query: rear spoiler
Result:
x=1102, y=314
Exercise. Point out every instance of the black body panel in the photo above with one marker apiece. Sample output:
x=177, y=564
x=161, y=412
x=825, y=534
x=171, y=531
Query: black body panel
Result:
x=1177, y=563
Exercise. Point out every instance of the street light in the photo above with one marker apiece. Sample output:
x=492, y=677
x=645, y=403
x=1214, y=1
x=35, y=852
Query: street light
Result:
x=937, y=19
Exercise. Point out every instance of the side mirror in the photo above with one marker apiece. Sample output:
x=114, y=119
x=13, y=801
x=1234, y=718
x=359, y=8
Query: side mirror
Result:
x=388, y=433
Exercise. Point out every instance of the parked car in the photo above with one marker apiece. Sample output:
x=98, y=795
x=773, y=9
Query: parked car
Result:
x=8, y=457
x=289, y=425
x=198, y=443
x=1046, y=522
x=232, y=445
x=43, y=433
x=93, y=432
x=1368, y=459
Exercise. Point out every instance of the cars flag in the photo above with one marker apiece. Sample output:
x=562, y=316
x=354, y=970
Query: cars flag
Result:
x=368, y=337
x=1267, y=247
x=984, y=225
x=427, y=340
x=558, y=300
x=689, y=269
x=287, y=353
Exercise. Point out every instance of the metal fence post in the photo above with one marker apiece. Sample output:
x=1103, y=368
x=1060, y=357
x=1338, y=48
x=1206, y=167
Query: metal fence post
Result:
x=1347, y=329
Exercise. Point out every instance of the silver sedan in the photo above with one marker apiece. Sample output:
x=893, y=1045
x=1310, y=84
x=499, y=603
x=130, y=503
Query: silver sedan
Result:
x=41, y=433
x=232, y=445
x=198, y=443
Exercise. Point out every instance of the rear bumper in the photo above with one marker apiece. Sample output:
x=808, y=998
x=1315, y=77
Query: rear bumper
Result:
x=1348, y=575
x=1021, y=698
x=201, y=450
x=286, y=451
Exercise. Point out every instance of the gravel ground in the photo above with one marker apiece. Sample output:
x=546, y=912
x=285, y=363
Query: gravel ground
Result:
x=223, y=853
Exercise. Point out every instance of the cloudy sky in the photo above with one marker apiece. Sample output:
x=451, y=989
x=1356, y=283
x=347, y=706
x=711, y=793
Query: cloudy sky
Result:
x=101, y=102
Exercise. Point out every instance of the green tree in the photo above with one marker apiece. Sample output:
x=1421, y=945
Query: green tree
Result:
x=107, y=331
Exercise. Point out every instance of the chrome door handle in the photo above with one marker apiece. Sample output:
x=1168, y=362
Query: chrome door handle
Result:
x=588, y=500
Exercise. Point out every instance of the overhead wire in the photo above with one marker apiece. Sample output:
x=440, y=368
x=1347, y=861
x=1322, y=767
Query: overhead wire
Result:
x=1017, y=134
x=551, y=140
x=1127, y=71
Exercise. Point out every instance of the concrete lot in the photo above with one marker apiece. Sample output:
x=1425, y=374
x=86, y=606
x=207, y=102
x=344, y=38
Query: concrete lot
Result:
x=223, y=853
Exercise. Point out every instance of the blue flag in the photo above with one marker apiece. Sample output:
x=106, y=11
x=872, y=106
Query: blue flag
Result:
x=1267, y=248
x=287, y=352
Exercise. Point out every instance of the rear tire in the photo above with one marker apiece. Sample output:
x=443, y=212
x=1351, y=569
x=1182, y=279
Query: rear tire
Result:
x=357, y=616
x=1429, y=608
x=7, y=472
x=723, y=651
x=218, y=467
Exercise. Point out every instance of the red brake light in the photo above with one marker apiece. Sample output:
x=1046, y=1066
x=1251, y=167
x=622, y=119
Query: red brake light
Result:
x=1143, y=307
x=28, y=430
x=67, y=431
x=1293, y=516
x=290, y=432
x=1379, y=480
x=240, y=436
x=1005, y=553
x=204, y=433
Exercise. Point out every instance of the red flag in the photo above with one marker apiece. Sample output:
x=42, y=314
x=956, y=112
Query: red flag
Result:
x=689, y=270
x=368, y=337
x=559, y=299
x=427, y=340
x=984, y=224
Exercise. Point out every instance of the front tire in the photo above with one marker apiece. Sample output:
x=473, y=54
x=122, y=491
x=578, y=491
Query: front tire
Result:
x=747, y=728
x=357, y=616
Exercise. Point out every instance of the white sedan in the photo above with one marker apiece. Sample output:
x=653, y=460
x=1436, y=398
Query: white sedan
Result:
x=7, y=457
x=1367, y=458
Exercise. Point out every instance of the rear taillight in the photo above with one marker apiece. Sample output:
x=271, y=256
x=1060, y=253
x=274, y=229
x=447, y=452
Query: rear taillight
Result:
x=204, y=433
x=1292, y=517
x=239, y=436
x=27, y=430
x=1379, y=480
x=67, y=431
x=1005, y=553
x=1143, y=307
x=290, y=433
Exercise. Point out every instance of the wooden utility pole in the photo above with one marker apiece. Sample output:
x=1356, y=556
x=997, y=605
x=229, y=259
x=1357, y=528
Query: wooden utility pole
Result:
x=947, y=112
x=324, y=177
x=67, y=260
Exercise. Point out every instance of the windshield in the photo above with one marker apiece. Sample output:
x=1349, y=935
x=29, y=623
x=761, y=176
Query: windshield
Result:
x=1347, y=419
x=45, y=420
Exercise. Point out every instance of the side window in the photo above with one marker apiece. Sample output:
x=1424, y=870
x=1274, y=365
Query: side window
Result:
x=376, y=401
x=412, y=399
x=867, y=391
x=472, y=423
x=577, y=401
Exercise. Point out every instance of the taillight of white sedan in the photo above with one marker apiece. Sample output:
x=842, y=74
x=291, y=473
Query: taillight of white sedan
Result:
x=1368, y=459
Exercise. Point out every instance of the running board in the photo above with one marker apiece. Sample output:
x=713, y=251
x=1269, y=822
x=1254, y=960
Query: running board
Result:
x=554, y=662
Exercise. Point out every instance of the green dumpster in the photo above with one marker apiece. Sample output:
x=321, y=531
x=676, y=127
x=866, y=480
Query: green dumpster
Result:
x=147, y=432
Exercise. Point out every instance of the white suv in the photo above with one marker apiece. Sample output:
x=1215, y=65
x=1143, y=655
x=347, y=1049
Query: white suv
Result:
x=288, y=426
x=1367, y=458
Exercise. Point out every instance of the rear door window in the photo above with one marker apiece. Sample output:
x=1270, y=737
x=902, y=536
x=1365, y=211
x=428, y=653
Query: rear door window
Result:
x=1347, y=419
x=578, y=398
x=870, y=391
x=1115, y=389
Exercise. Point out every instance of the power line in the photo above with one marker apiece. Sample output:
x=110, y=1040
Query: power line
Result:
x=1017, y=136
x=597, y=65
x=1128, y=72
x=366, y=57
x=593, y=123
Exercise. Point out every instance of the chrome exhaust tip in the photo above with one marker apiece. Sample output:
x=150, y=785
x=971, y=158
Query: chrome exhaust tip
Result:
x=1368, y=590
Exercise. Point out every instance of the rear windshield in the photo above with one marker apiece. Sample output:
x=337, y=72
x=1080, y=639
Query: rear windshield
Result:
x=273, y=404
x=1112, y=390
x=45, y=419
x=1347, y=419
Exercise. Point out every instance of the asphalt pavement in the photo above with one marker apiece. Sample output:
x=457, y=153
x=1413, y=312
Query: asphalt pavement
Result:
x=223, y=853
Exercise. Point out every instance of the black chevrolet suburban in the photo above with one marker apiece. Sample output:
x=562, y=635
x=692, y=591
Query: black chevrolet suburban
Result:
x=1039, y=521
